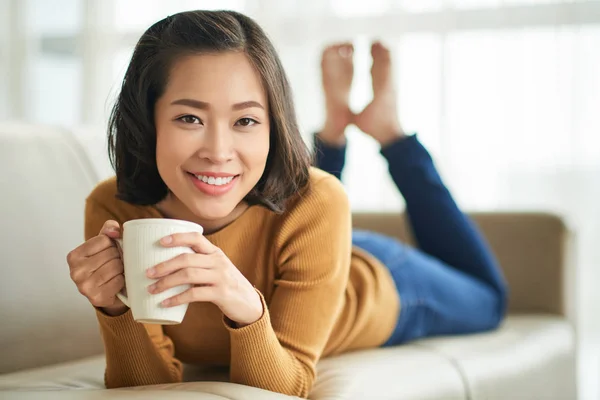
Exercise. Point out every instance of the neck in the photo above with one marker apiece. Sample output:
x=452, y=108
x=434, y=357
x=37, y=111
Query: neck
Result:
x=171, y=207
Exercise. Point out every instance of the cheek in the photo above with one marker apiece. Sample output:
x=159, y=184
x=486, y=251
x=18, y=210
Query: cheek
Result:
x=263, y=145
x=171, y=152
x=262, y=151
x=256, y=153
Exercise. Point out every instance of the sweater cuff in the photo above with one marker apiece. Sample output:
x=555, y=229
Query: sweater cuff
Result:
x=122, y=325
x=256, y=338
x=257, y=326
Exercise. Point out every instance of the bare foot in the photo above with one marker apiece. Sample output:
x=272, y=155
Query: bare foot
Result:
x=379, y=119
x=337, y=70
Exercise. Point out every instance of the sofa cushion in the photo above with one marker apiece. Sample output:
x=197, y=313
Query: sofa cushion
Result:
x=83, y=379
x=403, y=372
x=530, y=356
x=184, y=391
x=358, y=375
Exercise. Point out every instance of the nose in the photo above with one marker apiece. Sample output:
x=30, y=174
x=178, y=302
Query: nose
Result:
x=217, y=145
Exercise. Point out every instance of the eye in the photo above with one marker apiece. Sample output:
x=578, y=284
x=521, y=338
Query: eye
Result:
x=189, y=119
x=246, y=122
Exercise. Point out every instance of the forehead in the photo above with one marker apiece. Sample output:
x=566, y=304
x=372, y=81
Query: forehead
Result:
x=228, y=75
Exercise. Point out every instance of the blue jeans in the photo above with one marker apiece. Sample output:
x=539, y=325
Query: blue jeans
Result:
x=452, y=283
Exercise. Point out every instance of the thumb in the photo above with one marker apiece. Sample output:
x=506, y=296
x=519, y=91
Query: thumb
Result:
x=111, y=229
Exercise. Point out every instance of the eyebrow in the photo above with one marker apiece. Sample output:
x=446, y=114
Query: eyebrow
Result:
x=201, y=105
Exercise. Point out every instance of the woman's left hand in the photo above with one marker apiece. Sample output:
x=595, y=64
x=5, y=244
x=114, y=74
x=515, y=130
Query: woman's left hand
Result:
x=212, y=275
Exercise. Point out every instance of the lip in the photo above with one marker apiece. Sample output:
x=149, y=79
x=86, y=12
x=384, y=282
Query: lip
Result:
x=212, y=190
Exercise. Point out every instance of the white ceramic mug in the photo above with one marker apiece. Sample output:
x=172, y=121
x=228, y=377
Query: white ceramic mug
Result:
x=142, y=250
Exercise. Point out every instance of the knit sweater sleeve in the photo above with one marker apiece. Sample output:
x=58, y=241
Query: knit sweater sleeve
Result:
x=279, y=352
x=136, y=354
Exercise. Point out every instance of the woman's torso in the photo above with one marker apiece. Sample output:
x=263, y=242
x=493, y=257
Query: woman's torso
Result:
x=366, y=318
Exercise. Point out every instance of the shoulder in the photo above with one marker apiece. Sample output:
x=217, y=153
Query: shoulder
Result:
x=322, y=193
x=104, y=192
x=317, y=222
x=104, y=195
x=322, y=203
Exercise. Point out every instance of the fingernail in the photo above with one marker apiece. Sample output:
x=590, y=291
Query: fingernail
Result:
x=166, y=302
x=151, y=288
x=166, y=240
x=151, y=272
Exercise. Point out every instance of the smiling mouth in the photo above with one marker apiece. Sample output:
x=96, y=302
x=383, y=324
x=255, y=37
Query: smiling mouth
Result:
x=211, y=180
x=213, y=185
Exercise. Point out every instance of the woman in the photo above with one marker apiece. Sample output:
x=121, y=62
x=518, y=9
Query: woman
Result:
x=204, y=130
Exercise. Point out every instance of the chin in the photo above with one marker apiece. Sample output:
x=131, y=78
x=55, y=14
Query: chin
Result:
x=210, y=211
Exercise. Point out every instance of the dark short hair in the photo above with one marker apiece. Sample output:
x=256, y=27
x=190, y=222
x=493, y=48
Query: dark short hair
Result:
x=131, y=129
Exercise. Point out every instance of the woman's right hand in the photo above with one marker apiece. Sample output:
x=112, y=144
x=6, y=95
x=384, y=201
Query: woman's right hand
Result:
x=96, y=268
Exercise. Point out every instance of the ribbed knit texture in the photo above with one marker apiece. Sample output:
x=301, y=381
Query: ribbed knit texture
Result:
x=320, y=297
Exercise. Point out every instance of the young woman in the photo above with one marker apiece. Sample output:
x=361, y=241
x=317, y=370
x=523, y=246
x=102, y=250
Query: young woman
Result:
x=204, y=130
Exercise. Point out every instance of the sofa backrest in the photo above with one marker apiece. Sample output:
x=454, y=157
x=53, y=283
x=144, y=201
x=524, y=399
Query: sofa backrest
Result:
x=45, y=175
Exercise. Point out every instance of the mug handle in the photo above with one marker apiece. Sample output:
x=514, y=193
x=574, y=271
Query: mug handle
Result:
x=120, y=295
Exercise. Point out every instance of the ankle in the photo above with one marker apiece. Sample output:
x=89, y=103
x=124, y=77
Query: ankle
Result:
x=389, y=136
x=333, y=135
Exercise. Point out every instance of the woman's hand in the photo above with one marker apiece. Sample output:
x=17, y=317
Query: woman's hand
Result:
x=97, y=269
x=212, y=275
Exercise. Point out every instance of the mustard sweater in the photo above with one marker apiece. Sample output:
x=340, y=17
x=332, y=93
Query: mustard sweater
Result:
x=320, y=296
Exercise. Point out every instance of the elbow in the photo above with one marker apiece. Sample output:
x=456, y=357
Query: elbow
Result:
x=134, y=380
x=111, y=384
x=298, y=384
x=304, y=384
x=117, y=384
x=307, y=382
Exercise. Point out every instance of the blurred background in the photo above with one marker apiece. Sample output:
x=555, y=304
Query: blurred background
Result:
x=504, y=93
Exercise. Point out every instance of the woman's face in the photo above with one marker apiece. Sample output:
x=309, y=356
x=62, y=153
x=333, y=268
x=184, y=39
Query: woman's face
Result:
x=212, y=127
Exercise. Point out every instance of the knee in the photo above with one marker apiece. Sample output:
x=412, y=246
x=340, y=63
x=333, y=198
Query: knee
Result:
x=500, y=307
x=503, y=296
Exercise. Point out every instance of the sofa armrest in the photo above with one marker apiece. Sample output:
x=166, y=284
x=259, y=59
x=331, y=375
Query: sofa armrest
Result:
x=532, y=249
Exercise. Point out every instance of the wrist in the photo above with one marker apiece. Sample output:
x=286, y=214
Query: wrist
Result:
x=253, y=315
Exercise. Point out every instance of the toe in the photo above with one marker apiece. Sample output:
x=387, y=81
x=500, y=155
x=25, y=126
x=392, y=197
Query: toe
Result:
x=375, y=49
x=329, y=51
x=346, y=50
x=378, y=50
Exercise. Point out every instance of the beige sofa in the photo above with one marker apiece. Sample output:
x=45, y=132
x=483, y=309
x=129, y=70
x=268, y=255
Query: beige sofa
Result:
x=50, y=347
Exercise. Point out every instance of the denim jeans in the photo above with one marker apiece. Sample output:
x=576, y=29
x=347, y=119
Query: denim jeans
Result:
x=452, y=283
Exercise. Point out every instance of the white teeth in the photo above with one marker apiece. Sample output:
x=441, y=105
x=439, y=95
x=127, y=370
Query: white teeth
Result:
x=211, y=180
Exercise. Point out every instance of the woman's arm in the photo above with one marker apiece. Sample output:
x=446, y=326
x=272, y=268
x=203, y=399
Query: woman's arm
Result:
x=136, y=354
x=280, y=350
